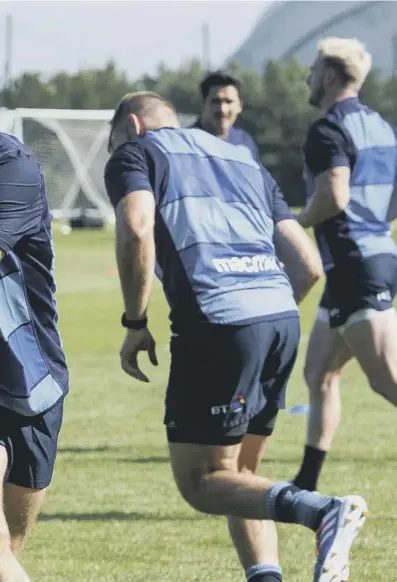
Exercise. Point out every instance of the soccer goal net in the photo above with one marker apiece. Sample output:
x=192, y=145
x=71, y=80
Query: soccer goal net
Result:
x=71, y=146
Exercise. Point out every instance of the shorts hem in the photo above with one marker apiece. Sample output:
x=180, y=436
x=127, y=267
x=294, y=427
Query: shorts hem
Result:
x=36, y=485
x=360, y=314
x=183, y=437
x=266, y=432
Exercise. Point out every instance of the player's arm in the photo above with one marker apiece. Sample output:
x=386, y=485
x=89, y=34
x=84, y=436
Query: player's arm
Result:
x=301, y=260
x=294, y=247
x=135, y=250
x=129, y=189
x=21, y=203
x=329, y=158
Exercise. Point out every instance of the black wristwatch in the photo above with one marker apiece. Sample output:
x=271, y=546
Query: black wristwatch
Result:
x=133, y=323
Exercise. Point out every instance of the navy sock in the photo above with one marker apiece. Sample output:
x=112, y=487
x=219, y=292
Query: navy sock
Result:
x=310, y=470
x=269, y=577
x=264, y=573
x=286, y=503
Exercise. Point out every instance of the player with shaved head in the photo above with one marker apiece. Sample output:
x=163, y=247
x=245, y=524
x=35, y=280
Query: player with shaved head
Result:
x=205, y=216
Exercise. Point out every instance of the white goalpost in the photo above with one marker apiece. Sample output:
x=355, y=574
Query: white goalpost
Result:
x=71, y=146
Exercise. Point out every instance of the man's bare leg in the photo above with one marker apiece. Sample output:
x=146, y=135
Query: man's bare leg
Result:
x=21, y=507
x=208, y=478
x=10, y=569
x=256, y=542
x=327, y=354
x=373, y=342
x=369, y=336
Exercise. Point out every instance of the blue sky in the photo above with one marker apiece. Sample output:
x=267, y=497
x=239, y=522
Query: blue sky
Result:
x=68, y=35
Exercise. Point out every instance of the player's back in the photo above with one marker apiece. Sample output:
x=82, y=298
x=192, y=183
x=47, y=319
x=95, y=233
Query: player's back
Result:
x=362, y=230
x=214, y=231
x=375, y=167
x=36, y=375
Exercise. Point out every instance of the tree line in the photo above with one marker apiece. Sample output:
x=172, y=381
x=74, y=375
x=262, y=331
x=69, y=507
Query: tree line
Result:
x=276, y=112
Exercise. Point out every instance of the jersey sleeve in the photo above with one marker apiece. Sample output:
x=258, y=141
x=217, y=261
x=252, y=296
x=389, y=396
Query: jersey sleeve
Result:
x=21, y=198
x=127, y=171
x=279, y=207
x=281, y=210
x=327, y=146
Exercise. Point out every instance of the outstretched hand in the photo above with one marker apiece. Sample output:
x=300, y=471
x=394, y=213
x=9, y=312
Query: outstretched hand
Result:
x=137, y=341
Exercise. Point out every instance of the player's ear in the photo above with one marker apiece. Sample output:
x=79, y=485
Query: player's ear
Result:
x=330, y=76
x=136, y=124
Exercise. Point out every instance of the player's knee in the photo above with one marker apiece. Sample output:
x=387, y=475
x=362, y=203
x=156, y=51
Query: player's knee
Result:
x=249, y=463
x=190, y=487
x=250, y=469
x=320, y=383
x=194, y=490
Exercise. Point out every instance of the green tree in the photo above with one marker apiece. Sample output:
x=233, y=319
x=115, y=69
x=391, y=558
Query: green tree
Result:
x=180, y=87
x=374, y=94
x=390, y=101
x=278, y=116
x=276, y=112
x=31, y=90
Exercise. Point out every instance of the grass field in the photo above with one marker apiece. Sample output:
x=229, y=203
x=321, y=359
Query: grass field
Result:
x=113, y=512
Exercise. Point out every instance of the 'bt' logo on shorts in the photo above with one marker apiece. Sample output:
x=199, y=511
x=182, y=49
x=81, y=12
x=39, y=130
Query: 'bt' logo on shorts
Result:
x=255, y=264
x=222, y=409
x=384, y=296
x=237, y=405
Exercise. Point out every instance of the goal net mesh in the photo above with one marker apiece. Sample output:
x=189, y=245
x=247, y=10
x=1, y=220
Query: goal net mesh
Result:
x=72, y=149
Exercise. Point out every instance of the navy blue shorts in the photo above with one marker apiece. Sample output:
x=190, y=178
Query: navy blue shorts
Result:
x=31, y=443
x=226, y=381
x=367, y=284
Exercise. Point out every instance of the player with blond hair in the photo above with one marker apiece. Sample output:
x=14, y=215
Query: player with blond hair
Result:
x=350, y=159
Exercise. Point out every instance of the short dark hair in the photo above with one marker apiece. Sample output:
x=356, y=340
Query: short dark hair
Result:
x=219, y=79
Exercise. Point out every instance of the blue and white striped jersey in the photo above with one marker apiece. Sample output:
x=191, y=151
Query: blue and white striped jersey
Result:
x=33, y=372
x=352, y=135
x=216, y=208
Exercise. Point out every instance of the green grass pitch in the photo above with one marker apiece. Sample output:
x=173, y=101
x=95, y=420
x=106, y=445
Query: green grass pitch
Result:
x=113, y=513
